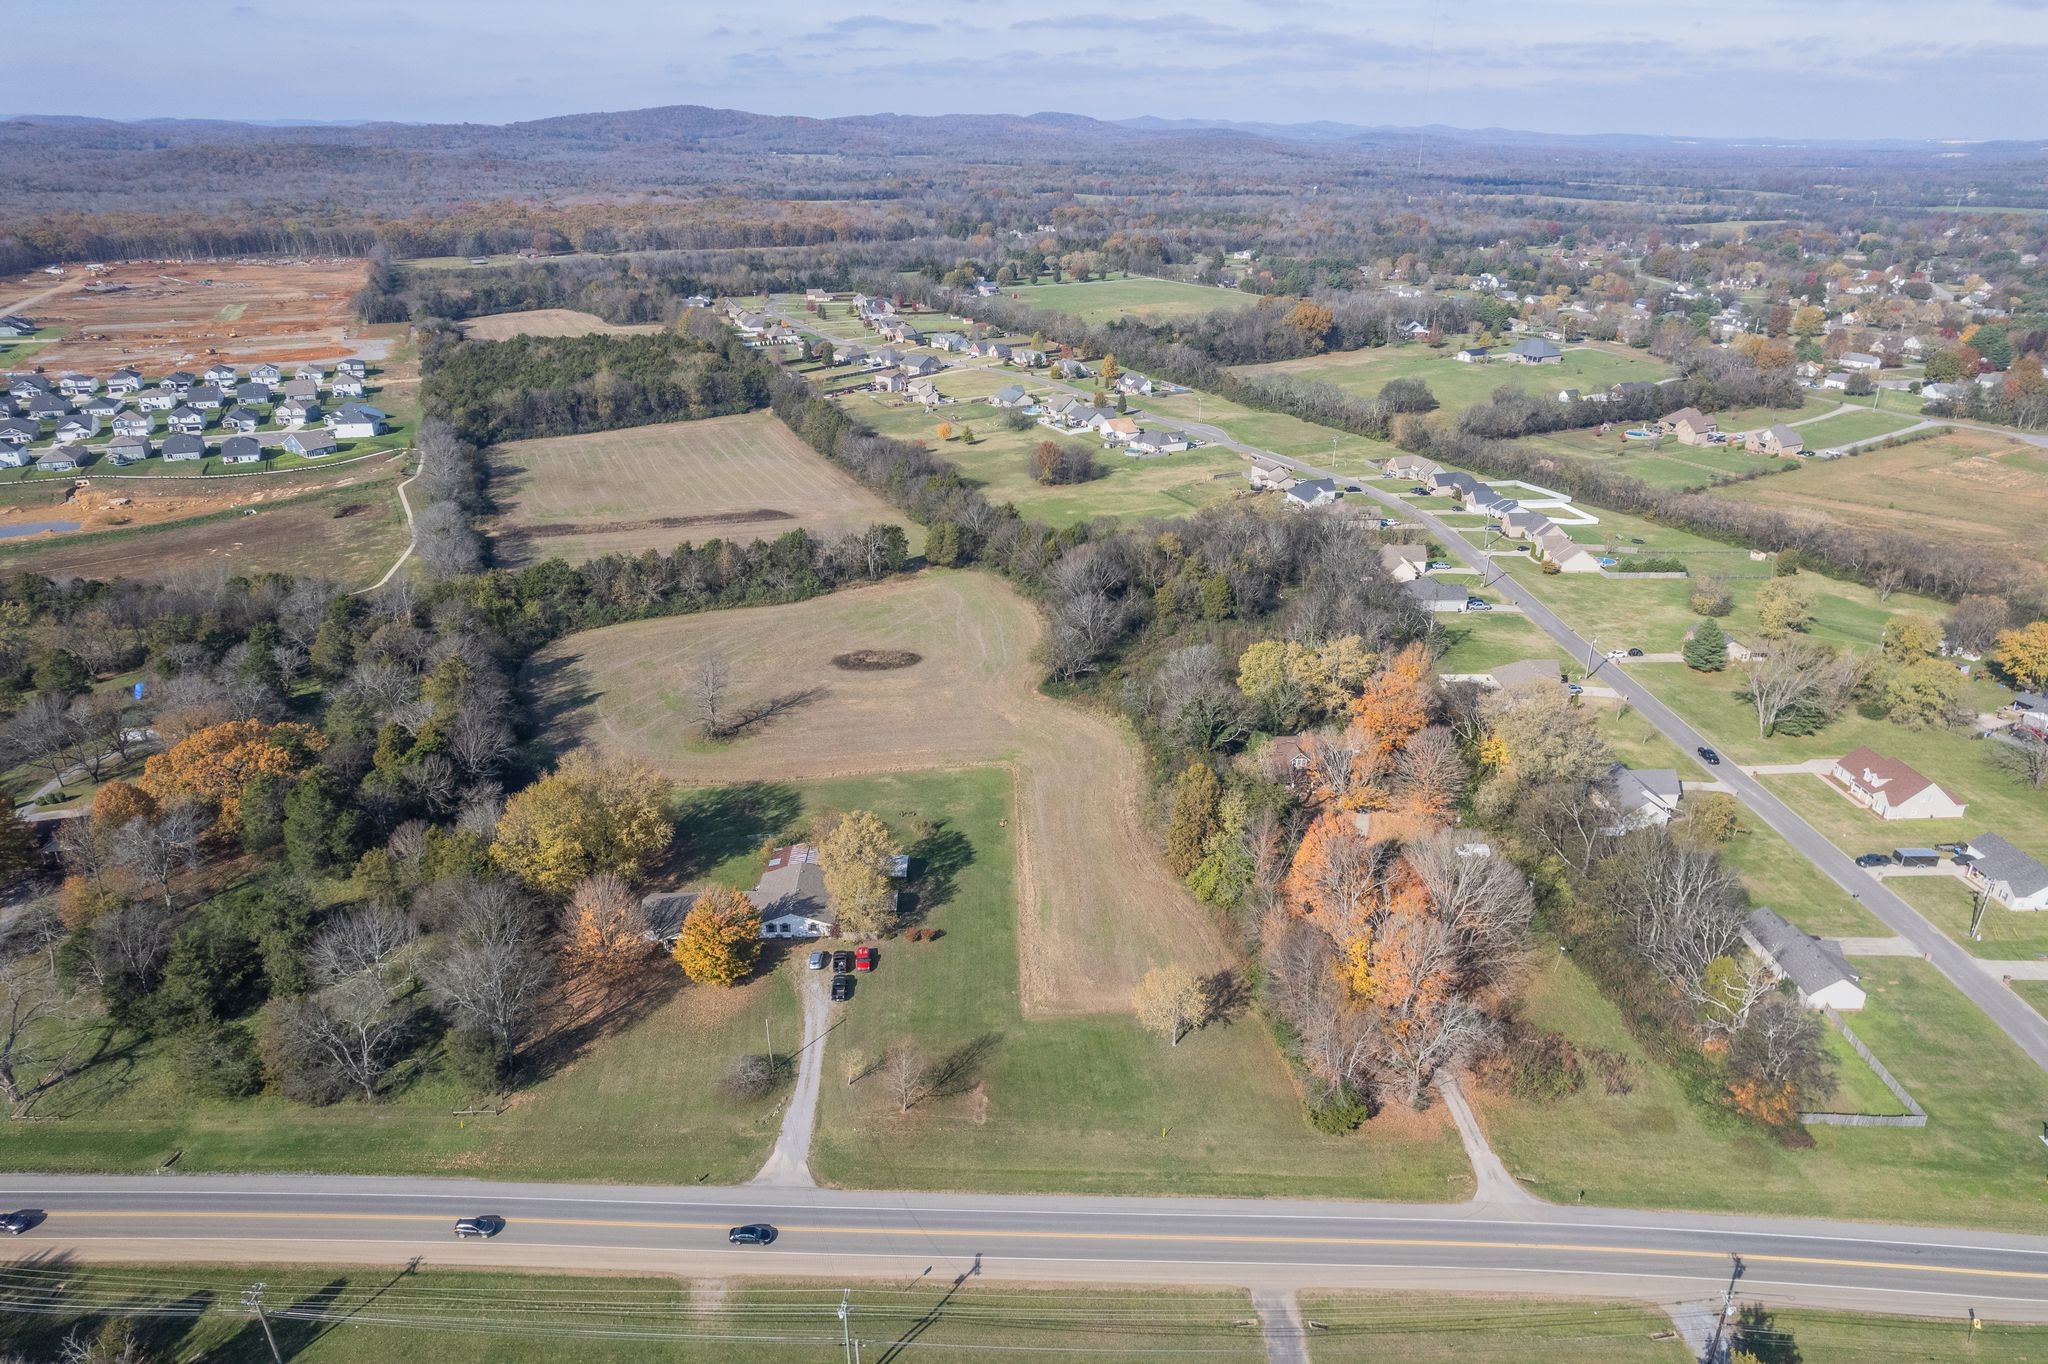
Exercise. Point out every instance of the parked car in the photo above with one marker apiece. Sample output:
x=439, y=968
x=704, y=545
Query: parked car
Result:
x=1353, y=488
x=842, y=987
x=1635, y=653
x=820, y=959
x=1574, y=689
x=1418, y=491
x=1478, y=604
x=1708, y=756
x=1635, y=539
x=842, y=962
x=1616, y=655
x=1435, y=564
x=15, y=1223
x=485, y=1227
x=1874, y=860
x=1952, y=849
x=864, y=958
x=753, y=1234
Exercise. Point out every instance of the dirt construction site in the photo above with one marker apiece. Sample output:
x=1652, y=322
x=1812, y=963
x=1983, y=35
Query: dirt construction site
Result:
x=164, y=315
x=1097, y=907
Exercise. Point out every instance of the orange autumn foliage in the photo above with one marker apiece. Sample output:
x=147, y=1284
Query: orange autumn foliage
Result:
x=214, y=764
x=1776, y=1105
x=1334, y=877
x=118, y=802
x=1394, y=706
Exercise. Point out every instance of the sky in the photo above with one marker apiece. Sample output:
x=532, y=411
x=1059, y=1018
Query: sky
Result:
x=1965, y=69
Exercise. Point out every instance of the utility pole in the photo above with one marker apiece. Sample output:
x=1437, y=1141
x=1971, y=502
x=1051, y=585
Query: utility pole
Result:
x=1715, y=1350
x=252, y=1298
x=1977, y=906
x=846, y=1324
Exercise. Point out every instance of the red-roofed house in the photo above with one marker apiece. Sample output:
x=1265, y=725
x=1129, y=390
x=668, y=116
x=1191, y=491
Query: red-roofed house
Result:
x=1891, y=790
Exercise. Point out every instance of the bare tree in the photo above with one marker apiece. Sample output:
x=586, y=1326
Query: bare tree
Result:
x=479, y=741
x=2025, y=758
x=45, y=1039
x=1411, y=1055
x=1484, y=903
x=1798, y=676
x=43, y=735
x=1682, y=909
x=359, y=942
x=1887, y=579
x=101, y=724
x=904, y=1072
x=129, y=945
x=710, y=682
x=156, y=850
x=491, y=981
x=341, y=1041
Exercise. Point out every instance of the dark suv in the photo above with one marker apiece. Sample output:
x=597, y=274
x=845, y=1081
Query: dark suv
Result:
x=485, y=1227
x=842, y=963
x=753, y=1234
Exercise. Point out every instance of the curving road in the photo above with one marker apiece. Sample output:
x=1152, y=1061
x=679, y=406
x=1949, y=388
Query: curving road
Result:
x=1554, y=1251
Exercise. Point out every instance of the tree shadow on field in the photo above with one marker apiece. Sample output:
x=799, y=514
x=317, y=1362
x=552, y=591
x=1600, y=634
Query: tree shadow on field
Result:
x=581, y=1016
x=561, y=694
x=936, y=861
x=715, y=823
x=960, y=1069
x=758, y=714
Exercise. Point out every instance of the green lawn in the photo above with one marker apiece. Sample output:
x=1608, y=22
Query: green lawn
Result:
x=1851, y=1338
x=1948, y=902
x=1746, y=419
x=1458, y=385
x=1089, y=1104
x=438, y=1316
x=1151, y=299
x=1830, y=432
x=2035, y=992
x=1484, y=1330
x=998, y=461
x=1977, y=1162
x=1664, y=464
x=1775, y=874
x=1478, y=642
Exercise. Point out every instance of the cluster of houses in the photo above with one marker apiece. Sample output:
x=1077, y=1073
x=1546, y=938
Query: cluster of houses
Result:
x=1546, y=540
x=51, y=422
x=1894, y=790
x=1117, y=430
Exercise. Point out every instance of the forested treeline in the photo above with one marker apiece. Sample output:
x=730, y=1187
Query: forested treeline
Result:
x=491, y=391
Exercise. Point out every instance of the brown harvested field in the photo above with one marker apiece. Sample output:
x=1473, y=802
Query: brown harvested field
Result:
x=1096, y=905
x=350, y=529
x=162, y=315
x=1963, y=487
x=653, y=487
x=549, y=322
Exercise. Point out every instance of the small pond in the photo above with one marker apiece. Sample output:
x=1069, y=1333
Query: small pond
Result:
x=34, y=528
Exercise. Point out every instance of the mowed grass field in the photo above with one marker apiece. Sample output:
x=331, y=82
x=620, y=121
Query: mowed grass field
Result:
x=1972, y=488
x=432, y=1315
x=1098, y=907
x=1978, y=1162
x=549, y=322
x=1845, y=428
x=653, y=487
x=350, y=534
x=1458, y=385
x=1357, y=1327
x=1105, y=300
x=1078, y=1104
x=997, y=462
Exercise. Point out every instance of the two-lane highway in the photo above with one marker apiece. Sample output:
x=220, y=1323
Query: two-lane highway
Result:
x=1663, y=1257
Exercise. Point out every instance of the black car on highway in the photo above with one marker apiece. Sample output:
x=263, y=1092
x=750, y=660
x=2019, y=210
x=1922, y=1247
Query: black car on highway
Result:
x=15, y=1223
x=752, y=1234
x=485, y=1227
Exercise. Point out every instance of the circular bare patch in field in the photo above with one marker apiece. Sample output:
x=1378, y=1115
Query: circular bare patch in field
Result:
x=876, y=660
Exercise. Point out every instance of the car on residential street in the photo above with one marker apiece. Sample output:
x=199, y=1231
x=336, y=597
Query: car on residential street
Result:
x=15, y=1223
x=753, y=1234
x=484, y=1227
x=820, y=959
x=1708, y=756
x=864, y=958
x=842, y=987
x=842, y=962
x=1874, y=860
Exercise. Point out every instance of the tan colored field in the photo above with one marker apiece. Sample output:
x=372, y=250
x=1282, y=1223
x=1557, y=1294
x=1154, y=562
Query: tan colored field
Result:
x=1096, y=905
x=345, y=526
x=549, y=322
x=1964, y=487
x=167, y=314
x=653, y=487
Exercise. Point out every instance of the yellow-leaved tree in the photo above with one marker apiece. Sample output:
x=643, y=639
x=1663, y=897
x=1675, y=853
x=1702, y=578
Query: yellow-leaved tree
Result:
x=605, y=938
x=589, y=815
x=215, y=763
x=855, y=858
x=721, y=937
x=2023, y=653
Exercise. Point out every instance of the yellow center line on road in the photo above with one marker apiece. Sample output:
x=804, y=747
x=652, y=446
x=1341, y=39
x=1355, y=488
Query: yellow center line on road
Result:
x=1413, y=1242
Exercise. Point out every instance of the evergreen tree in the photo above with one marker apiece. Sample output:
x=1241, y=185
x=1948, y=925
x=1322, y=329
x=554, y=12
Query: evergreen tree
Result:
x=319, y=831
x=1707, y=650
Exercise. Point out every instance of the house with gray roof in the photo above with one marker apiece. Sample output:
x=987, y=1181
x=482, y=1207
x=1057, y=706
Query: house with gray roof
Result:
x=20, y=431
x=14, y=326
x=241, y=450
x=15, y=456
x=134, y=424
x=183, y=446
x=221, y=373
x=128, y=449
x=296, y=411
x=46, y=407
x=2009, y=876
x=1436, y=595
x=1404, y=563
x=1776, y=439
x=1640, y=796
x=242, y=419
x=157, y=400
x=62, y=459
x=123, y=382
x=354, y=368
x=1816, y=969
x=357, y=421
x=304, y=390
x=266, y=374
x=84, y=426
x=1535, y=351
x=1308, y=492
x=1011, y=395
x=104, y=407
x=311, y=444
x=186, y=421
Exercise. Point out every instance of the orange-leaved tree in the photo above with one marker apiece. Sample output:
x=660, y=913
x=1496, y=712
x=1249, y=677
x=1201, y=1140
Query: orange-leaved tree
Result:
x=214, y=764
x=720, y=938
x=1337, y=878
x=606, y=938
x=1394, y=705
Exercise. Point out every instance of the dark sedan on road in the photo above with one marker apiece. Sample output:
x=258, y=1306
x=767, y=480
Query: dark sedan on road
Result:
x=484, y=1227
x=1874, y=860
x=1709, y=756
x=15, y=1223
x=753, y=1234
